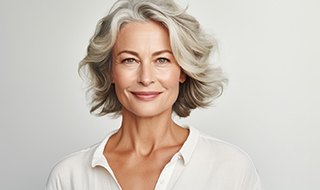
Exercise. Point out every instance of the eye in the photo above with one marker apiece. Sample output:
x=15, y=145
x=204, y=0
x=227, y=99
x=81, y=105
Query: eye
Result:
x=163, y=60
x=129, y=60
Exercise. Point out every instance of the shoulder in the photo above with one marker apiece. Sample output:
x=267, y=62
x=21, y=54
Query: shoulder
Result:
x=221, y=164
x=222, y=150
x=225, y=162
x=220, y=146
x=213, y=152
x=72, y=161
x=75, y=163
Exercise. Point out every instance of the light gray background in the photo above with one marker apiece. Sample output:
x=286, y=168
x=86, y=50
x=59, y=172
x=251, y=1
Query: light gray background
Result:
x=269, y=49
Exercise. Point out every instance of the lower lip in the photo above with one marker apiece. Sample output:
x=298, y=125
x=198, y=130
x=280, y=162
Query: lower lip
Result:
x=146, y=97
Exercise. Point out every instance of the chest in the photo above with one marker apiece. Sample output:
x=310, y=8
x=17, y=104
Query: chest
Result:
x=134, y=172
x=137, y=176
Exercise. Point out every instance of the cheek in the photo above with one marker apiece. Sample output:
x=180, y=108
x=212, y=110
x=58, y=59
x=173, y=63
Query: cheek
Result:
x=120, y=78
x=171, y=78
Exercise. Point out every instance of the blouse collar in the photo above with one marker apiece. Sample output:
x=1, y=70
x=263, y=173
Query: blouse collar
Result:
x=186, y=150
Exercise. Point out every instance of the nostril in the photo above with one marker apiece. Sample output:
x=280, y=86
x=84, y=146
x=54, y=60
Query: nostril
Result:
x=146, y=82
x=146, y=75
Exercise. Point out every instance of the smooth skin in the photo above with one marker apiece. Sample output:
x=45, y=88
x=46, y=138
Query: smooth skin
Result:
x=146, y=78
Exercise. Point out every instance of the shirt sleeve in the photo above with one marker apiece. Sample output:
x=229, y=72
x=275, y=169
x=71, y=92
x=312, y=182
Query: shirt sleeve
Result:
x=251, y=179
x=54, y=181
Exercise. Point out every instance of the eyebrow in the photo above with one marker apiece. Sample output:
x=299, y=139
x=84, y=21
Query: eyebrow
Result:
x=137, y=54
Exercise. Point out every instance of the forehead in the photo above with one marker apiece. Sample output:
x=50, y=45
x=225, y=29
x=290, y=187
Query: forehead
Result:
x=142, y=35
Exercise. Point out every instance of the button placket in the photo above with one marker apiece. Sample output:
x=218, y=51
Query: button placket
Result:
x=166, y=173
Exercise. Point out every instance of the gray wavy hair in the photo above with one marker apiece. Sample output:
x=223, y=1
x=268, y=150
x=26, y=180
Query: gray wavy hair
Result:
x=190, y=45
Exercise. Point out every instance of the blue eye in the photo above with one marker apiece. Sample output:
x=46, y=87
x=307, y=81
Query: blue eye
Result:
x=163, y=60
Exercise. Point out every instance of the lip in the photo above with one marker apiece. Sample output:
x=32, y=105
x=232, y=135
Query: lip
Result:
x=146, y=95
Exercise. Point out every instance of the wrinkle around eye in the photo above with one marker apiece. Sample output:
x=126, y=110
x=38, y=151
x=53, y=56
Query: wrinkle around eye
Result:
x=162, y=60
x=129, y=61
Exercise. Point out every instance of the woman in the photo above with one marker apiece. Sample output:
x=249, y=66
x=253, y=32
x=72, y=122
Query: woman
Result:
x=147, y=60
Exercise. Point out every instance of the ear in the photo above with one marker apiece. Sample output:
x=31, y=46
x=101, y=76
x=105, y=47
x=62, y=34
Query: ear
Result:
x=183, y=77
x=110, y=70
x=112, y=79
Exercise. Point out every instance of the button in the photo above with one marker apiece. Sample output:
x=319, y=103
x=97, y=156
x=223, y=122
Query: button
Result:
x=161, y=181
x=179, y=157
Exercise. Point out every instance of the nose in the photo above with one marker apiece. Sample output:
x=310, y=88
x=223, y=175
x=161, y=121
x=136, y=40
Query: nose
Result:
x=146, y=74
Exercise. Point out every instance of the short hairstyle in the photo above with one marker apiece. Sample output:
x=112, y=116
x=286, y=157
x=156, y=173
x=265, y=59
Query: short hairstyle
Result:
x=190, y=45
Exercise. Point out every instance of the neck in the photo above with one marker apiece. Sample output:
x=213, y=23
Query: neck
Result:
x=144, y=135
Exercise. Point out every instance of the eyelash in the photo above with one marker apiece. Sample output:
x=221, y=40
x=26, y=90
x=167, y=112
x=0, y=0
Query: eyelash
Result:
x=164, y=59
x=129, y=60
x=161, y=60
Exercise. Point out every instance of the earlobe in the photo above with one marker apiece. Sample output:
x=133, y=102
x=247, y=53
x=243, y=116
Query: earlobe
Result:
x=111, y=79
x=183, y=77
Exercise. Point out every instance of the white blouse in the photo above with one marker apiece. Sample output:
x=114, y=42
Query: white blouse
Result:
x=203, y=162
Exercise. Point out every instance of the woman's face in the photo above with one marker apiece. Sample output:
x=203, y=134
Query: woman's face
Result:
x=144, y=71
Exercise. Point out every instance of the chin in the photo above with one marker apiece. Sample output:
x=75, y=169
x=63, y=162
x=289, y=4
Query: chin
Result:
x=148, y=112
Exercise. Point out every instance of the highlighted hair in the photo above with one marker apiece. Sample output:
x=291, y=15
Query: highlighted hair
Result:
x=190, y=45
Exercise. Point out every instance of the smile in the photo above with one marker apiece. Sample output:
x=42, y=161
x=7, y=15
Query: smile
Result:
x=146, y=95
